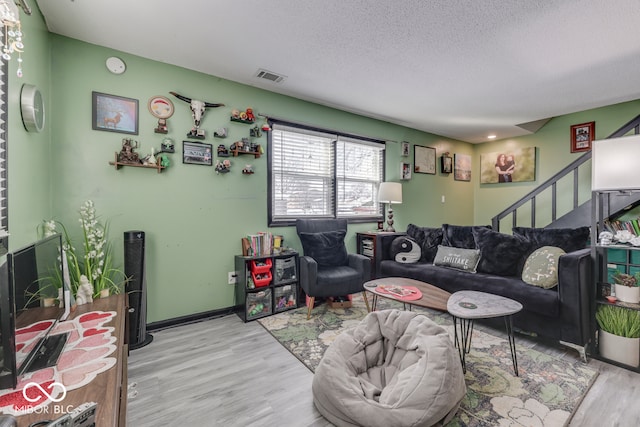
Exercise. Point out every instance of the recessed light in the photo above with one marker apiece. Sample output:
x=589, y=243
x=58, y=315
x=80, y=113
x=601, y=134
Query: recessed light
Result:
x=491, y=136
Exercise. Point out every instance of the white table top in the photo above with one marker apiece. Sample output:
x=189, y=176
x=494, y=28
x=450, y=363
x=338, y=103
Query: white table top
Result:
x=481, y=305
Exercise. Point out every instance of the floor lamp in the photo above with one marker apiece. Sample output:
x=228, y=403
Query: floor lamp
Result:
x=390, y=192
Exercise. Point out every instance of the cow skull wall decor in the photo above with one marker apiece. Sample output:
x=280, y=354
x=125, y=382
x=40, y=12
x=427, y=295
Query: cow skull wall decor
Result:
x=197, y=112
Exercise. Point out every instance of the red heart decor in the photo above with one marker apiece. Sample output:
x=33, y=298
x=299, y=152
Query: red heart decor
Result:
x=94, y=331
x=94, y=315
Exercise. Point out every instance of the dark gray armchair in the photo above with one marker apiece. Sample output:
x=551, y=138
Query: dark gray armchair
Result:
x=326, y=269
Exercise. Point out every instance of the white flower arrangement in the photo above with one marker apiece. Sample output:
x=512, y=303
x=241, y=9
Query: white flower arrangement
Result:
x=96, y=262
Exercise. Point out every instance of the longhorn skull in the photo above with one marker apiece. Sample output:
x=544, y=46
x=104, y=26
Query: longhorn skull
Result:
x=197, y=110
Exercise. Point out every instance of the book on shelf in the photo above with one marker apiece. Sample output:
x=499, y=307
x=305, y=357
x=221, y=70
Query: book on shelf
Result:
x=257, y=244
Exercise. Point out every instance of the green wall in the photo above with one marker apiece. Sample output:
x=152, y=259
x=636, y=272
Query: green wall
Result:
x=552, y=144
x=193, y=218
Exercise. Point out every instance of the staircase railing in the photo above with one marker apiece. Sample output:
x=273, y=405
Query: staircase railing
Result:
x=551, y=185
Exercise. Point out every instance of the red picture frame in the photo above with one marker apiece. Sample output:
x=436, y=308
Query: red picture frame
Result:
x=582, y=136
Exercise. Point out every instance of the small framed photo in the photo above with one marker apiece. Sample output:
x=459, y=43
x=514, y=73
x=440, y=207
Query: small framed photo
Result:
x=462, y=167
x=405, y=149
x=197, y=153
x=405, y=171
x=113, y=113
x=582, y=136
x=424, y=159
x=446, y=164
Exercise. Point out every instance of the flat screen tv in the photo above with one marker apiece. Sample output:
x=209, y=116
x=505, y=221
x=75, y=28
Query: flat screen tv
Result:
x=31, y=304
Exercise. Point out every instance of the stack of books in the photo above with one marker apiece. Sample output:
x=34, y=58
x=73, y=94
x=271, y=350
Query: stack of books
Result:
x=258, y=244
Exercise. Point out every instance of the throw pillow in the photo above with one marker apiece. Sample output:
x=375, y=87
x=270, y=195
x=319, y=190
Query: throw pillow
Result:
x=569, y=239
x=501, y=254
x=460, y=236
x=327, y=248
x=405, y=250
x=428, y=238
x=541, y=268
x=458, y=258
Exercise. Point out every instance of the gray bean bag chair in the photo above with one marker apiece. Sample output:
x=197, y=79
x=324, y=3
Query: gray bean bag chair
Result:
x=395, y=368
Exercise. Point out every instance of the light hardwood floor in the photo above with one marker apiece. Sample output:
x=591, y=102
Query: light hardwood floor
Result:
x=223, y=372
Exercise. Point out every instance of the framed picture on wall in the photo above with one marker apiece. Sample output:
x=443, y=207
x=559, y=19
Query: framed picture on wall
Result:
x=462, y=167
x=516, y=165
x=405, y=171
x=404, y=149
x=424, y=159
x=446, y=163
x=582, y=136
x=197, y=153
x=113, y=113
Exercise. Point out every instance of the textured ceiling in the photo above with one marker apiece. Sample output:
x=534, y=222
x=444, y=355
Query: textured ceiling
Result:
x=458, y=68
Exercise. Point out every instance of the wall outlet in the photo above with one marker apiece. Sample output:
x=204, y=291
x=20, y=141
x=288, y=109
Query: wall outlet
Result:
x=233, y=278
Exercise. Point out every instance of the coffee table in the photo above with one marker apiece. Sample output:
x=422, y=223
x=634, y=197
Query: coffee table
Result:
x=432, y=296
x=467, y=306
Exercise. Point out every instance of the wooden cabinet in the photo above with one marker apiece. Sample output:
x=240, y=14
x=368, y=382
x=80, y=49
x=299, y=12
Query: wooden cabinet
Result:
x=109, y=388
x=266, y=284
x=370, y=245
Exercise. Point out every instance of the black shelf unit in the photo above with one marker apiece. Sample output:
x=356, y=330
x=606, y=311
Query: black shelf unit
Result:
x=266, y=284
x=607, y=260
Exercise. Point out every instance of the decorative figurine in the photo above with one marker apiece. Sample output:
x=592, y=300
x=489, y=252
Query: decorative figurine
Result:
x=84, y=295
x=254, y=132
x=197, y=112
x=221, y=133
x=152, y=158
x=247, y=170
x=606, y=238
x=223, y=167
x=250, y=116
x=164, y=161
x=222, y=151
x=167, y=146
x=127, y=153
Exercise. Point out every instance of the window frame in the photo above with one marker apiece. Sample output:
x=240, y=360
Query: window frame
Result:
x=334, y=214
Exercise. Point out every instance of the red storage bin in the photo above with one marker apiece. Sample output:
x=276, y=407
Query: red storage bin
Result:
x=261, y=266
x=261, y=279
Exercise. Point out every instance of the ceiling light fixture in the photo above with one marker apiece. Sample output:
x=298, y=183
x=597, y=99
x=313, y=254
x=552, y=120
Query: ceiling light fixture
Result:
x=491, y=136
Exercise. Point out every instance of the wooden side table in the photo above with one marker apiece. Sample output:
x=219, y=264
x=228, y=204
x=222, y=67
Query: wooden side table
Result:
x=369, y=244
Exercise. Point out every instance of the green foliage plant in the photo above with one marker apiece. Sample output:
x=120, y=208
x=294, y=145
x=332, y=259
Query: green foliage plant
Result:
x=619, y=321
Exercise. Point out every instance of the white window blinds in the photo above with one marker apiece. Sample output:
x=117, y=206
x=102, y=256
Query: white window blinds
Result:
x=322, y=174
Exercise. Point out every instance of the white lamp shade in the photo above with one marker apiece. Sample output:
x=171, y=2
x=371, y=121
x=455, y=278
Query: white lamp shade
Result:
x=390, y=192
x=615, y=164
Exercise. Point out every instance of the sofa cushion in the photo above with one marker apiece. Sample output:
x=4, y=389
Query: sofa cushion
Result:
x=327, y=247
x=500, y=253
x=460, y=236
x=428, y=238
x=541, y=267
x=568, y=239
x=458, y=258
x=406, y=250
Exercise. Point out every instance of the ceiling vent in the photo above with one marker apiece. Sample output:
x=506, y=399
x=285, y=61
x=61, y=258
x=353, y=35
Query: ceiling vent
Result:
x=269, y=75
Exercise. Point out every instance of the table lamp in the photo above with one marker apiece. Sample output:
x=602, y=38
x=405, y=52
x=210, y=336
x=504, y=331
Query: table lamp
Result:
x=390, y=192
x=614, y=164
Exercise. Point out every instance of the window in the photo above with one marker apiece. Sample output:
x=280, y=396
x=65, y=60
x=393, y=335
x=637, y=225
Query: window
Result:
x=322, y=174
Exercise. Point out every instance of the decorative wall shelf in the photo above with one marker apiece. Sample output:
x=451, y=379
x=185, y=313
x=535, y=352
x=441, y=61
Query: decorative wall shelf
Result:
x=246, y=122
x=237, y=152
x=118, y=165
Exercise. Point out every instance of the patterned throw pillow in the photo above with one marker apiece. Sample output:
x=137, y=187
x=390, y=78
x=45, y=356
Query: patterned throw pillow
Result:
x=405, y=250
x=458, y=258
x=541, y=268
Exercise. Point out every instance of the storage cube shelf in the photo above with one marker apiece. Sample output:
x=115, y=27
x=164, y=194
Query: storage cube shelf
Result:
x=267, y=284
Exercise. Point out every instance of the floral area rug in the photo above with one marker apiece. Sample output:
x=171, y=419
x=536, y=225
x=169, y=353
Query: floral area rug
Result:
x=546, y=393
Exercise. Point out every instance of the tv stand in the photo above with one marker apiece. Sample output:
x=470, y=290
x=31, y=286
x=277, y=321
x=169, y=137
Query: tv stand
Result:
x=48, y=353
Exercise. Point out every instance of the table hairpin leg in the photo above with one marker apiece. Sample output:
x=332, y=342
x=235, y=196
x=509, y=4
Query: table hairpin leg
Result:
x=374, y=302
x=512, y=343
x=463, y=340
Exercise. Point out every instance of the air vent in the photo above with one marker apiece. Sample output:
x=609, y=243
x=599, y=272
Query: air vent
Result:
x=269, y=75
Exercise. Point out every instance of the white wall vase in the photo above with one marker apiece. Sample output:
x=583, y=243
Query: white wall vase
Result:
x=620, y=349
x=628, y=293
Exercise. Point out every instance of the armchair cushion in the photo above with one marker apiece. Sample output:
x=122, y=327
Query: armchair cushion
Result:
x=327, y=247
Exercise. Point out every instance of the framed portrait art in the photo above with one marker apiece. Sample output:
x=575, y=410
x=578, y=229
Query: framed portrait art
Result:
x=446, y=163
x=113, y=113
x=462, y=167
x=424, y=159
x=515, y=165
x=582, y=136
x=404, y=149
x=405, y=171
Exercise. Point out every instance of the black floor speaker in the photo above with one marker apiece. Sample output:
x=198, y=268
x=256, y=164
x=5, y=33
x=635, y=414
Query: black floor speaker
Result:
x=134, y=269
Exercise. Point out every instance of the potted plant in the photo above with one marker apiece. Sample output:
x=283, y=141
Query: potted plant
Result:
x=619, y=335
x=626, y=287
